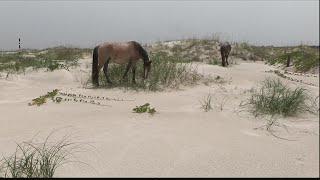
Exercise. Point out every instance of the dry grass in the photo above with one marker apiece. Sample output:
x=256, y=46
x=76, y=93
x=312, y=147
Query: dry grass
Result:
x=273, y=97
x=39, y=160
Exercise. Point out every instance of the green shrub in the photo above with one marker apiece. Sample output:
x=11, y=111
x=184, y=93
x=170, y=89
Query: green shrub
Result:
x=144, y=108
x=43, y=99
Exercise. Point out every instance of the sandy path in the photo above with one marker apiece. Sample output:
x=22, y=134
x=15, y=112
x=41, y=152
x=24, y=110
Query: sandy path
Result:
x=179, y=140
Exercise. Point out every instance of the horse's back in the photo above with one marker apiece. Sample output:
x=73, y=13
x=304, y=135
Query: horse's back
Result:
x=225, y=47
x=119, y=52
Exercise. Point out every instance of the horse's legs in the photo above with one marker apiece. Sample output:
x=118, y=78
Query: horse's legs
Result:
x=134, y=74
x=223, y=59
x=97, y=74
x=127, y=69
x=105, y=70
x=227, y=59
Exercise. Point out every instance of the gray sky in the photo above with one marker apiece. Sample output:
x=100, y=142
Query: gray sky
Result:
x=42, y=24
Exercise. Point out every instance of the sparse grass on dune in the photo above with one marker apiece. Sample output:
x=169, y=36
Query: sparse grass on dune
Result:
x=206, y=103
x=166, y=72
x=63, y=53
x=273, y=97
x=38, y=160
x=304, y=58
x=51, y=59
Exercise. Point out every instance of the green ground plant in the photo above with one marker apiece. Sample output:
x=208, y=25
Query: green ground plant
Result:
x=144, y=108
x=43, y=99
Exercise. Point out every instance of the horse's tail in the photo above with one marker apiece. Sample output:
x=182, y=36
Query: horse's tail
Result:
x=141, y=51
x=95, y=73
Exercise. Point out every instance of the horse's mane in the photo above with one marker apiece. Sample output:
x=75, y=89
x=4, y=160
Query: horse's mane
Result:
x=141, y=50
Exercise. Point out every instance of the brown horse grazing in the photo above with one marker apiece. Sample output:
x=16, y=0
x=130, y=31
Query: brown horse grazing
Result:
x=120, y=53
x=225, y=49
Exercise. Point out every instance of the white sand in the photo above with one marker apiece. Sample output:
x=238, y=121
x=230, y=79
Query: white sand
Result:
x=179, y=140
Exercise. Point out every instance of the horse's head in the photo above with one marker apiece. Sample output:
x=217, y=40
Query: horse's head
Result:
x=146, y=69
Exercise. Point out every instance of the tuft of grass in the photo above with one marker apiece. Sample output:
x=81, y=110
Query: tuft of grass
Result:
x=274, y=97
x=37, y=160
x=206, y=103
x=144, y=108
x=166, y=72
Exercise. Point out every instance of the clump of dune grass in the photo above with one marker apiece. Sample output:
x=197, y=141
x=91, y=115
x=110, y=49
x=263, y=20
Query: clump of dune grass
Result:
x=166, y=72
x=273, y=97
x=38, y=160
x=206, y=103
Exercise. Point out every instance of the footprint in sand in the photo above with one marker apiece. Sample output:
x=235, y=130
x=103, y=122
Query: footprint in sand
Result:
x=300, y=160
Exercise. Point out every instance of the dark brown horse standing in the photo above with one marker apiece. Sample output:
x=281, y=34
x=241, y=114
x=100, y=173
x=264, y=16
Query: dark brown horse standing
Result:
x=225, y=49
x=120, y=53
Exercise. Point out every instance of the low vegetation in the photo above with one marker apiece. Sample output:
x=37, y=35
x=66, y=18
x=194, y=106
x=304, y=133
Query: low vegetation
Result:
x=144, y=108
x=43, y=99
x=273, y=97
x=206, y=103
x=50, y=59
x=303, y=58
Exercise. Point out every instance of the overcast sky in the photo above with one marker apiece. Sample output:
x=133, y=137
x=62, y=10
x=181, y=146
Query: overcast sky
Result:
x=42, y=24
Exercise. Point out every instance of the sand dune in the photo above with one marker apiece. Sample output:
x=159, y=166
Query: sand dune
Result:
x=179, y=140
